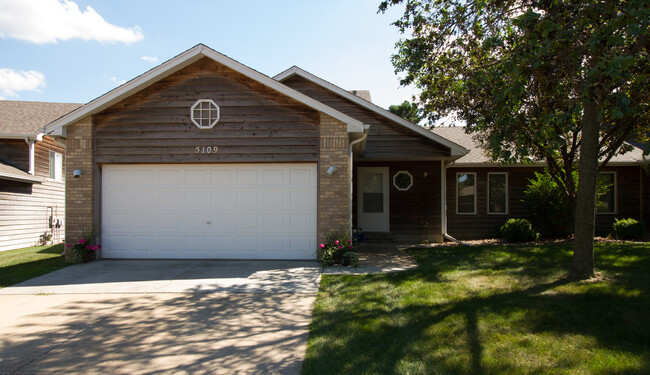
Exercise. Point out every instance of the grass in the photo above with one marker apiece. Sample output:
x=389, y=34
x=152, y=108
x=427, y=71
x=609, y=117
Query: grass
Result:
x=487, y=310
x=23, y=264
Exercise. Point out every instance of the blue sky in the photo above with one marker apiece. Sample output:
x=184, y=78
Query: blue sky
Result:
x=58, y=50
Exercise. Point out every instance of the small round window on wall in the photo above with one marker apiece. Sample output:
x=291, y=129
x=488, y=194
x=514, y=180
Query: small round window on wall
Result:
x=402, y=180
x=205, y=113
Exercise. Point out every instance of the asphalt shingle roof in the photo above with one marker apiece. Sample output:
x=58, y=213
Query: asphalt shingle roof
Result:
x=28, y=118
x=478, y=156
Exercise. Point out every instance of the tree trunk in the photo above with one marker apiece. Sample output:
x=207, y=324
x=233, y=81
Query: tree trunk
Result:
x=582, y=265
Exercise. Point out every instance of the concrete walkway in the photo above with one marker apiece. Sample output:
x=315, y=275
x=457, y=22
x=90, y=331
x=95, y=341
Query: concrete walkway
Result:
x=377, y=258
x=144, y=317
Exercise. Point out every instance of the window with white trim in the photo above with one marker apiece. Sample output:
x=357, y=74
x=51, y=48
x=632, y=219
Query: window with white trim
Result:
x=607, y=201
x=205, y=113
x=497, y=193
x=402, y=180
x=56, y=166
x=466, y=193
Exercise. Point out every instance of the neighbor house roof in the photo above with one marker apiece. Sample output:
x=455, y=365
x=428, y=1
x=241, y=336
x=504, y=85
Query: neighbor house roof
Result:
x=179, y=62
x=8, y=172
x=20, y=119
x=456, y=149
x=478, y=157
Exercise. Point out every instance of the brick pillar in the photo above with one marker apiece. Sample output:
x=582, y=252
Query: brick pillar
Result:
x=79, y=192
x=333, y=191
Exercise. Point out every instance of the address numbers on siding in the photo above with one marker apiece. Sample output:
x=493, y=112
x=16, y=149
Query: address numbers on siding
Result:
x=206, y=149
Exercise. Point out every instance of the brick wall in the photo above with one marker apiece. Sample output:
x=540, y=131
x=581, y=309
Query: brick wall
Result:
x=79, y=192
x=333, y=191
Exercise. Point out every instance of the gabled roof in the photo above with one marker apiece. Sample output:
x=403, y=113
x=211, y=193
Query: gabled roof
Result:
x=456, y=149
x=477, y=156
x=179, y=62
x=19, y=119
x=8, y=172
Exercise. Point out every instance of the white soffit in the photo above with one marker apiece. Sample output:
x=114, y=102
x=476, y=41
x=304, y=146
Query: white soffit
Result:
x=179, y=62
x=456, y=149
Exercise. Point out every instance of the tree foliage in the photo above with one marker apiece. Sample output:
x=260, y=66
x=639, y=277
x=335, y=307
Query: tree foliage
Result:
x=408, y=111
x=554, y=80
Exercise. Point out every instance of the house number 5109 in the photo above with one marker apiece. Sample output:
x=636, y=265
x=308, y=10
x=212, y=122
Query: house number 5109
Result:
x=206, y=149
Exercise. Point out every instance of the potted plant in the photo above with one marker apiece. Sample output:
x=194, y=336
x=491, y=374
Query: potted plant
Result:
x=85, y=250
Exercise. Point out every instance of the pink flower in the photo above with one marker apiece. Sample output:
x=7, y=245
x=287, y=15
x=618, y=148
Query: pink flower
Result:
x=349, y=246
x=99, y=246
x=68, y=245
x=322, y=246
x=336, y=242
x=340, y=247
x=88, y=247
x=81, y=241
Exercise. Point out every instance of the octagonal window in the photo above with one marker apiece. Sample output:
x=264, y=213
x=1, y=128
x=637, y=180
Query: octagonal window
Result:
x=205, y=113
x=402, y=180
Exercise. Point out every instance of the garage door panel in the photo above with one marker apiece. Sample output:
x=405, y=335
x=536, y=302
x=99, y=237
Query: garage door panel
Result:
x=209, y=211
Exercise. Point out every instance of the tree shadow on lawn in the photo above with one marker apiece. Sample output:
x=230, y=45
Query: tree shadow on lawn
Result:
x=550, y=326
x=152, y=333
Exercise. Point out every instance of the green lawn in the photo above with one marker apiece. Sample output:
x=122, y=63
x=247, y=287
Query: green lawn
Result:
x=23, y=264
x=487, y=310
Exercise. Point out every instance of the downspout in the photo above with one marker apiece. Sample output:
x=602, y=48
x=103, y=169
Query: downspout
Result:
x=443, y=203
x=356, y=141
x=30, y=143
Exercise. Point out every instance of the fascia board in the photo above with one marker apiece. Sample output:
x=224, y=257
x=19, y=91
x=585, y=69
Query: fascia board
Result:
x=177, y=63
x=17, y=136
x=456, y=149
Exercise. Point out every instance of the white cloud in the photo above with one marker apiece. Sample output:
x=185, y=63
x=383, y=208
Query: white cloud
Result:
x=118, y=81
x=48, y=21
x=12, y=81
x=150, y=59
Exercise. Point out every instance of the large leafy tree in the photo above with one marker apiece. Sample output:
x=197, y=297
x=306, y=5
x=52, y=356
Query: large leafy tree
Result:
x=408, y=111
x=561, y=81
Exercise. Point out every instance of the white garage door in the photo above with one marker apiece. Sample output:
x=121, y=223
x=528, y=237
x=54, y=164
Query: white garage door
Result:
x=245, y=211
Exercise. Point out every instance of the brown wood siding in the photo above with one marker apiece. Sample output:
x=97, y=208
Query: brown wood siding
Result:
x=482, y=224
x=415, y=213
x=628, y=198
x=386, y=139
x=15, y=152
x=25, y=208
x=257, y=124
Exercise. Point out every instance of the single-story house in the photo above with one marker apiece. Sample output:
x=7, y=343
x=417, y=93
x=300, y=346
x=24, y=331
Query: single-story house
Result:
x=32, y=195
x=204, y=157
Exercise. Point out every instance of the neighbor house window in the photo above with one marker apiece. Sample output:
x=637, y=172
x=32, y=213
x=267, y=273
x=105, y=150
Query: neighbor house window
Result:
x=466, y=193
x=607, y=201
x=56, y=166
x=497, y=193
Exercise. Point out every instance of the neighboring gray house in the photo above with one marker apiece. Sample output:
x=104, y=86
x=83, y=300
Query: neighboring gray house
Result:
x=32, y=187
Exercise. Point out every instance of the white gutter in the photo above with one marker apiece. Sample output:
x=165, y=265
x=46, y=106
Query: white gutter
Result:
x=351, y=164
x=443, y=203
x=30, y=141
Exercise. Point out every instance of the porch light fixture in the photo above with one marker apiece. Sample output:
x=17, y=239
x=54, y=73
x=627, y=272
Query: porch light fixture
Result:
x=77, y=173
x=331, y=170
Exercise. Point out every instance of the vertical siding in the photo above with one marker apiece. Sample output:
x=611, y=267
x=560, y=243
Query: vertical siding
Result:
x=25, y=208
x=415, y=213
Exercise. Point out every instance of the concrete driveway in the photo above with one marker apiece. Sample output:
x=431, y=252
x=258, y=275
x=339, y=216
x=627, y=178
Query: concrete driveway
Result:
x=138, y=317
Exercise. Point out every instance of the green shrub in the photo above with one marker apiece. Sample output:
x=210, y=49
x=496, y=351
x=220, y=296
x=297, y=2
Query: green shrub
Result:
x=518, y=230
x=628, y=229
x=549, y=208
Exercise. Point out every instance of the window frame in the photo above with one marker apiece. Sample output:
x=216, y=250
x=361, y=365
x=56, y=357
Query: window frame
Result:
x=615, y=191
x=53, y=166
x=395, y=180
x=488, y=194
x=197, y=120
x=475, y=193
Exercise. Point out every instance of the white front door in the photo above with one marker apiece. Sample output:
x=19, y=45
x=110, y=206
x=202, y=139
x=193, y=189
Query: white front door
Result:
x=372, y=198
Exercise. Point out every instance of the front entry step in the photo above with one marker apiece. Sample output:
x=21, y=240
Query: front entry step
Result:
x=378, y=237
